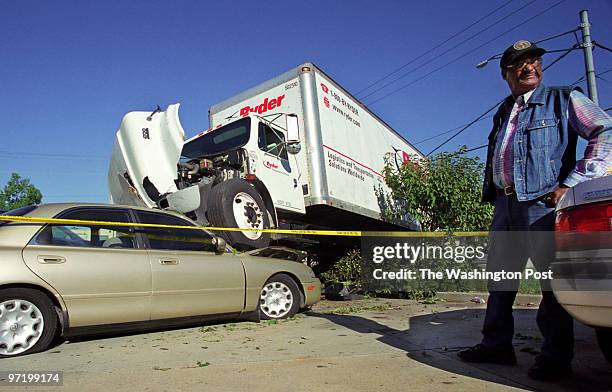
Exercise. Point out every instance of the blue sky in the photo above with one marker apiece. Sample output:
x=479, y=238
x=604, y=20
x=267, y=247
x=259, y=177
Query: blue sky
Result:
x=70, y=70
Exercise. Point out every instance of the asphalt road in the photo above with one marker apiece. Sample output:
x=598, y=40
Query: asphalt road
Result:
x=367, y=345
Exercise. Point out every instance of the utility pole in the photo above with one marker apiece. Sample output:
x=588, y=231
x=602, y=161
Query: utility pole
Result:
x=587, y=48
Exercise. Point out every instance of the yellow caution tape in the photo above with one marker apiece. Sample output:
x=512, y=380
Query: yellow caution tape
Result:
x=345, y=233
x=26, y=219
x=425, y=233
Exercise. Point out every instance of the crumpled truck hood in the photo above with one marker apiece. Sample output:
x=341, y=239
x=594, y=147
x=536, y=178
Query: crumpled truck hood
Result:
x=145, y=155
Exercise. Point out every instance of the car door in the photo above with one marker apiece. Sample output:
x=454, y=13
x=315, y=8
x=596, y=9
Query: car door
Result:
x=280, y=171
x=102, y=272
x=188, y=278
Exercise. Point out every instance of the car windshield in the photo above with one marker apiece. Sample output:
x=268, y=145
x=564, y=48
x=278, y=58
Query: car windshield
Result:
x=226, y=138
x=21, y=211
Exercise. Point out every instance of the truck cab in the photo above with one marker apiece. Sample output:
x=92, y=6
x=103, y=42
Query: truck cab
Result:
x=243, y=173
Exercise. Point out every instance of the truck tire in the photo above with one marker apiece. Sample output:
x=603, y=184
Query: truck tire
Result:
x=29, y=321
x=236, y=203
x=604, y=337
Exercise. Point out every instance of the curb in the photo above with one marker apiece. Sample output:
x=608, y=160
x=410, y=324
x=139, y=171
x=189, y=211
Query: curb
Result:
x=521, y=299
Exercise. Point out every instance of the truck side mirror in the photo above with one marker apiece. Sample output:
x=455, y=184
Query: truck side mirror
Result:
x=219, y=244
x=293, y=129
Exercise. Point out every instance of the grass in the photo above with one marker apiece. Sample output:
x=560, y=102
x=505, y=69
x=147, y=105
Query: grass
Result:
x=360, y=309
x=529, y=286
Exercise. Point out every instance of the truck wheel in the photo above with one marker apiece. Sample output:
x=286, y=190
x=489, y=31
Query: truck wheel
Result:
x=236, y=203
x=279, y=298
x=28, y=322
x=604, y=337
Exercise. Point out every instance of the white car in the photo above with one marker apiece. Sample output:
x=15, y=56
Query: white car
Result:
x=583, y=270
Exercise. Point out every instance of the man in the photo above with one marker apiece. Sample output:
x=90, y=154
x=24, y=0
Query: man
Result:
x=531, y=163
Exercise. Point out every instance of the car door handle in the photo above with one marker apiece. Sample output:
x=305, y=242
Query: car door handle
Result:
x=51, y=259
x=168, y=261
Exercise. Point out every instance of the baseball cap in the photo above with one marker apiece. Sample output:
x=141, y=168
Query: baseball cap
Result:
x=518, y=49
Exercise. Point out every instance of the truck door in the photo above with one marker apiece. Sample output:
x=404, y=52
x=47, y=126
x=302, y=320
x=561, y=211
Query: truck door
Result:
x=279, y=170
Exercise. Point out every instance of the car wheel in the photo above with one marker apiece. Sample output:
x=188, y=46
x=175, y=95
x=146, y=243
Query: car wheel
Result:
x=604, y=337
x=236, y=203
x=279, y=298
x=28, y=322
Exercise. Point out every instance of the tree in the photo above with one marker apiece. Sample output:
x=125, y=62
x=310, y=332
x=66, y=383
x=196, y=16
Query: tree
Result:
x=442, y=192
x=19, y=192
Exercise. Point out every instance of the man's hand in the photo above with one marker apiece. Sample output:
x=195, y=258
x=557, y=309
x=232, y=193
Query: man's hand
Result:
x=551, y=199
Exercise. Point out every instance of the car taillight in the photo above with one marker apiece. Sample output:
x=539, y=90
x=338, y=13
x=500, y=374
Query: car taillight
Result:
x=584, y=227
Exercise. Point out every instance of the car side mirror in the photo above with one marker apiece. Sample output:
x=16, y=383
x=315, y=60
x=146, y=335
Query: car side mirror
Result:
x=293, y=129
x=219, y=244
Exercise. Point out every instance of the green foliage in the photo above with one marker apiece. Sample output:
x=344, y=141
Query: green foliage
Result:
x=347, y=269
x=442, y=192
x=19, y=192
x=426, y=296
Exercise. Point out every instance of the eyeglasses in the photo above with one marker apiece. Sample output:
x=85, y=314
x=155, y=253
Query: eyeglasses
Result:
x=521, y=65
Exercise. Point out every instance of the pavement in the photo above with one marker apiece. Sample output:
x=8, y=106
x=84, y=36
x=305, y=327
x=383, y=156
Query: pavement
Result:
x=362, y=345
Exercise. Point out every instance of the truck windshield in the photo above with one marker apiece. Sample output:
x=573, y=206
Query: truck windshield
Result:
x=226, y=138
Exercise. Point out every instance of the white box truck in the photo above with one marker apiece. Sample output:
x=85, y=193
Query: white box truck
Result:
x=296, y=151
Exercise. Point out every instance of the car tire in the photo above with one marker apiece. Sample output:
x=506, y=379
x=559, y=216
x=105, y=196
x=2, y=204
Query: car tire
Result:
x=279, y=298
x=604, y=338
x=236, y=203
x=34, y=331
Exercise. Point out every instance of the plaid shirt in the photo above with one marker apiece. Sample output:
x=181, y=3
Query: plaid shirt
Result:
x=586, y=118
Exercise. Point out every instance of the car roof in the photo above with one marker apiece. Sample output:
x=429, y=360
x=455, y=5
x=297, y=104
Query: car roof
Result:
x=49, y=210
x=52, y=209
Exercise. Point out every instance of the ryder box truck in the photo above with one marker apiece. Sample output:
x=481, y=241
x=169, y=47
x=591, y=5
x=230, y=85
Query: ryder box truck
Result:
x=296, y=151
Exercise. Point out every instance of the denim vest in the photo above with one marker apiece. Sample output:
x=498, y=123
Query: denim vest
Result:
x=544, y=145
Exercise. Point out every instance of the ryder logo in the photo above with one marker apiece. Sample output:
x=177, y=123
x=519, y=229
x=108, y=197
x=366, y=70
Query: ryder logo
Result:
x=270, y=165
x=268, y=104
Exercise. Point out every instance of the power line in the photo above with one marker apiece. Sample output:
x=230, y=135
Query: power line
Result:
x=476, y=148
x=580, y=79
x=559, y=35
x=556, y=60
x=26, y=154
x=435, y=47
x=568, y=51
x=466, y=127
x=448, y=50
x=605, y=72
x=602, y=46
x=465, y=54
x=493, y=107
x=445, y=132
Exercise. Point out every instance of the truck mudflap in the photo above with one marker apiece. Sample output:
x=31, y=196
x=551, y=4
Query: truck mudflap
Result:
x=145, y=154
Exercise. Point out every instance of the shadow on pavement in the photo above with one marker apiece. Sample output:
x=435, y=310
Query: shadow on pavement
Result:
x=435, y=338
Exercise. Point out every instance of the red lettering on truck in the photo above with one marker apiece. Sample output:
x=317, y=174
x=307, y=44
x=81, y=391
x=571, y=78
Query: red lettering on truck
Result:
x=267, y=104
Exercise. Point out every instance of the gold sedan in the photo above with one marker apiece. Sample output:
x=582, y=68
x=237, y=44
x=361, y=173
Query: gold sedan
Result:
x=77, y=278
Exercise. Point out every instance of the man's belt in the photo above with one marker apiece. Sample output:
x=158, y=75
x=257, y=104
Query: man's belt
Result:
x=508, y=191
